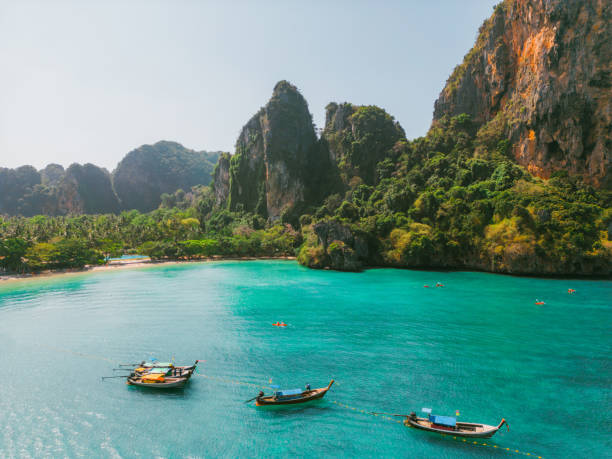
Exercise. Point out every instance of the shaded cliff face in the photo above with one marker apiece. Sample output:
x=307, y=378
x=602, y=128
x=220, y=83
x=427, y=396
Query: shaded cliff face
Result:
x=150, y=170
x=220, y=182
x=86, y=189
x=270, y=172
x=52, y=174
x=140, y=179
x=358, y=138
x=541, y=72
x=14, y=185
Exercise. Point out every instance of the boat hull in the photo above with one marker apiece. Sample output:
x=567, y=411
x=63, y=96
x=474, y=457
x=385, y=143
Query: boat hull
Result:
x=316, y=394
x=160, y=386
x=177, y=372
x=464, y=429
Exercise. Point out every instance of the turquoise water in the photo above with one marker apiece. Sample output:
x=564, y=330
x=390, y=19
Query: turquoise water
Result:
x=478, y=345
x=128, y=257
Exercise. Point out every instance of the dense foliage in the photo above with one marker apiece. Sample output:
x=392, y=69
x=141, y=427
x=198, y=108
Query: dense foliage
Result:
x=452, y=199
x=150, y=170
x=455, y=199
x=41, y=242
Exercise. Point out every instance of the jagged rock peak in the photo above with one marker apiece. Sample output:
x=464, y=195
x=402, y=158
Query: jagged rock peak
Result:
x=269, y=172
x=540, y=71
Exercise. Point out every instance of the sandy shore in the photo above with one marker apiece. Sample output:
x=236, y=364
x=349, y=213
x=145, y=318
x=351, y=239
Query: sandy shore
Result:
x=126, y=264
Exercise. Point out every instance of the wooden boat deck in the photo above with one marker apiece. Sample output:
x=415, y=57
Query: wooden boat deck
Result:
x=167, y=383
x=306, y=396
x=462, y=429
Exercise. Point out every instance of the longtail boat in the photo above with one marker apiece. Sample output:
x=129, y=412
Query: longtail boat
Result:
x=292, y=397
x=168, y=369
x=156, y=381
x=447, y=425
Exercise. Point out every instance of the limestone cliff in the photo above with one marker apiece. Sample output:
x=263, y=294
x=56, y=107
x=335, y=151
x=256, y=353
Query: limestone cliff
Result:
x=150, y=170
x=271, y=169
x=541, y=73
x=14, y=185
x=86, y=189
x=52, y=174
x=358, y=138
x=220, y=181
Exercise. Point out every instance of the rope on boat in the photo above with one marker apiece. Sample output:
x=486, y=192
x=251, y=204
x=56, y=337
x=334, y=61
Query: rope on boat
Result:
x=230, y=381
x=367, y=412
x=447, y=437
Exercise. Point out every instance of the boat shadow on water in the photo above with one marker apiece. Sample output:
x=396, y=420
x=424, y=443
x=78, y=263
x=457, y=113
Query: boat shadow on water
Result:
x=183, y=393
x=451, y=443
x=309, y=408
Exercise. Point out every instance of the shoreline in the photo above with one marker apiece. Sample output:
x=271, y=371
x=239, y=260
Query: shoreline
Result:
x=143, y=263
x=127, y=264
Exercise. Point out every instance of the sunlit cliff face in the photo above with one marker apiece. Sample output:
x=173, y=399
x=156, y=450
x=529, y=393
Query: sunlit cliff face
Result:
x=542, y=70
x=268, y=173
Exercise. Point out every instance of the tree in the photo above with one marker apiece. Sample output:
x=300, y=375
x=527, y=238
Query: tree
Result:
x=12, y=253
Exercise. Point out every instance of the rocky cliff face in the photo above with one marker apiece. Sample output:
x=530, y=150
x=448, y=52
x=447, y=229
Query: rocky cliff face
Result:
x=270, y=172
x=150, y=170
x=15, y=184
x=86, y=189
x=140, y=179
x=52, y=174
x=220, y=182
x=541, y=71
x=358, y=138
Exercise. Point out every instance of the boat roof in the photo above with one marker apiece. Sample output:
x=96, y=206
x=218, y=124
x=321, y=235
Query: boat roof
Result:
x=443, y=420
x=158, y=364
x=289, y=392
x=159, y=370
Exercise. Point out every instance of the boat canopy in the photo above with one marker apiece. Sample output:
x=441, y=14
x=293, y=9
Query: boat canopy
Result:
x=443, y=420
x=153, y=377
x=162, y=371
x=284, y=393
x=158, y=364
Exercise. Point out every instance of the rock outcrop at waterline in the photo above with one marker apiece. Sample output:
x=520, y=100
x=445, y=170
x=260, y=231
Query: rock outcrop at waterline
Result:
x=541, y=70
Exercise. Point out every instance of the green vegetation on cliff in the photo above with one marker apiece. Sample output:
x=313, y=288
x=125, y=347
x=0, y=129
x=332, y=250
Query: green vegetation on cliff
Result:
x=453, y=199
x=164, y=167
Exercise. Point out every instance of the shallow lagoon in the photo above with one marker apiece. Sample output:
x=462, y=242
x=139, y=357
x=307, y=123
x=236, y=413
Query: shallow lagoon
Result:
x=478, y=345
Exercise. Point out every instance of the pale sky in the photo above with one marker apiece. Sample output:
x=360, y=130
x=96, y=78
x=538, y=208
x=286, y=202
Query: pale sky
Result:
x=88, y=81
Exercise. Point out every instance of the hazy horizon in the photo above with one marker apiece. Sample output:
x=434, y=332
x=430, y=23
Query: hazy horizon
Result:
x=90, y=82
